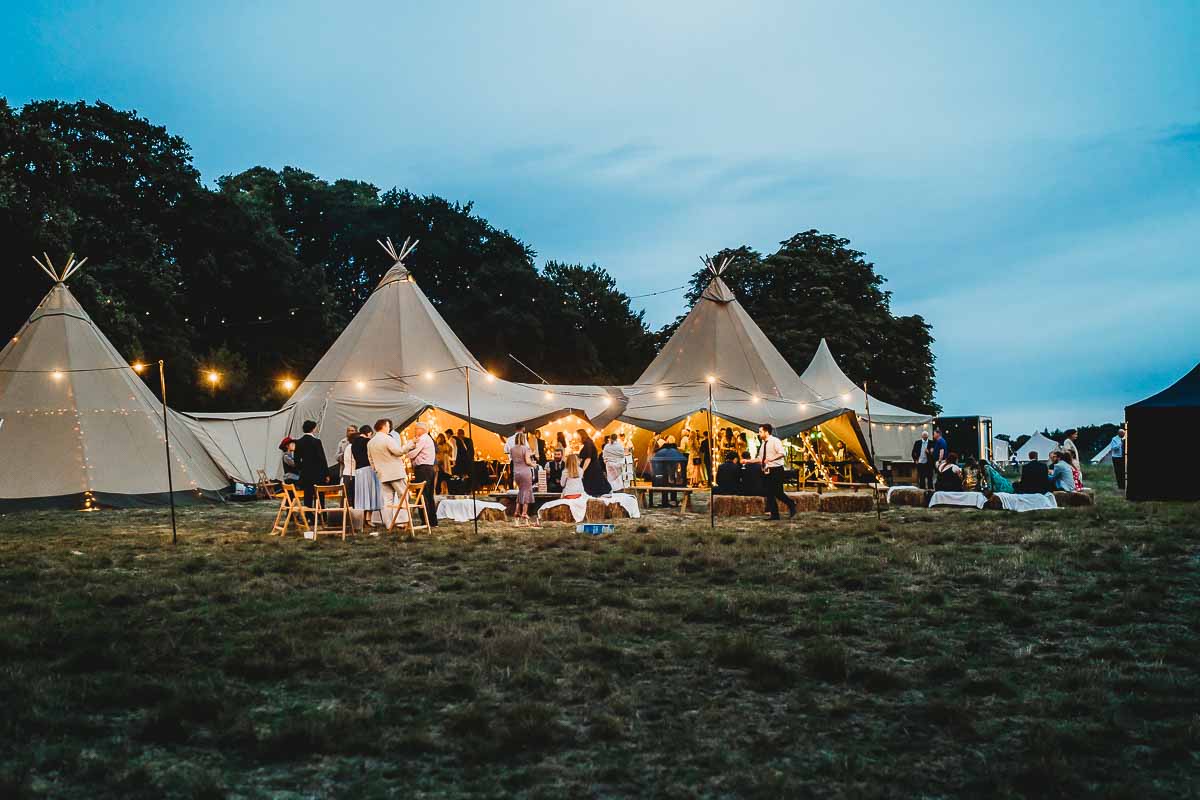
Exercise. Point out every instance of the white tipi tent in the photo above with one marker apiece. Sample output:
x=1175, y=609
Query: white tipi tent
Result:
x=397, y=359
x=1038, y=443
x=893, y=429
x=78, y=427
x=1104, y=456
x=718, y=345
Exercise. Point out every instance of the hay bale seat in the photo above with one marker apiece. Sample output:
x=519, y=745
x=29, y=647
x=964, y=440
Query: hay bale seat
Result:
x=492, y=515
x=598, y=510
x=806, y=501
x=993, y=504
x=736, y=505
x=615, y=511
x=558, y=514
x=1075, y=499
x=847, y=502
x=910, y=496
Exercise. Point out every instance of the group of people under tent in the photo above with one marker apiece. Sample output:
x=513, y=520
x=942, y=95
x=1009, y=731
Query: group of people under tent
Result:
x=938, y=467
x=376, y=463
x=742, y=471
x=373, y=463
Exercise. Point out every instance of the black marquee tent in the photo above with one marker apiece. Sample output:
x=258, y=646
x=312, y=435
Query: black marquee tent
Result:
x=1164, y=432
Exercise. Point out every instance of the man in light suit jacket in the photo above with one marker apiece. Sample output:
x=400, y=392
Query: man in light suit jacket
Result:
x=386, y=455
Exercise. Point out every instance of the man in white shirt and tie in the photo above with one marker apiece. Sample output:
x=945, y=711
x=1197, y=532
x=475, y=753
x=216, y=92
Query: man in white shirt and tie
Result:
x=771, y=456
x=422, y=452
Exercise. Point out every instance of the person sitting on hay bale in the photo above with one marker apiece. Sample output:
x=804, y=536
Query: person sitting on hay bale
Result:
x=574, y=504
x=949, y=474
x=752, y=476
x=1062, y=477
x=729, y=475
x=1035, y=479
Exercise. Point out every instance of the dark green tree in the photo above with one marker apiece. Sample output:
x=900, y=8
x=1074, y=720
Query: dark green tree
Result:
x=594, y=326
x=815, y=286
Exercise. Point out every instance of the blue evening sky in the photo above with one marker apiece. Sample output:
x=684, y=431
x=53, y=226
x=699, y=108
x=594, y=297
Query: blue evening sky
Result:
x=1026, y=175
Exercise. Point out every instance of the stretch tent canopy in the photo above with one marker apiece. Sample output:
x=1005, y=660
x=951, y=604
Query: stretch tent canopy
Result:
x=893, y=429
x=78, y=426
x=396, y=359
x=719, y=348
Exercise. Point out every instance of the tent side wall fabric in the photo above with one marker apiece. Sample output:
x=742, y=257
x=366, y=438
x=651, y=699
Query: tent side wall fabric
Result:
x=78, y=422
x=1158, y=446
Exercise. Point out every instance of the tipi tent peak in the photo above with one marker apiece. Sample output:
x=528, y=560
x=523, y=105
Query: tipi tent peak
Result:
x=719, y=356
x=398, y=359
x=72, y=266
x=893, y=429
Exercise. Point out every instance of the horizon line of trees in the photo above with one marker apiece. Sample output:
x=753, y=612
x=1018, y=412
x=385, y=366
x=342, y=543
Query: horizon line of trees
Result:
x=256, y=276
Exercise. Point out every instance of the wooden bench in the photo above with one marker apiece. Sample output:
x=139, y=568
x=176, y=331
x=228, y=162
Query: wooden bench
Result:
x=642, y=493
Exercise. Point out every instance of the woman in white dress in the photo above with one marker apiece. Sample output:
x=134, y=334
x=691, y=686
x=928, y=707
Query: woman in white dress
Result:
x=572, y=478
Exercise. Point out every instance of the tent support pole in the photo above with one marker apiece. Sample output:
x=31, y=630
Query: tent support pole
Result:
x=471, y=461
x=871, y=460
x=712, y=507
x=162, y=386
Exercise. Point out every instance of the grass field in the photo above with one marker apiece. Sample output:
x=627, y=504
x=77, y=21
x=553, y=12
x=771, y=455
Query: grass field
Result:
x=938, y=653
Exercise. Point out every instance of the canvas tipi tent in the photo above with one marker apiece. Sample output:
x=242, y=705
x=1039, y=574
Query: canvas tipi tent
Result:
x=1163, y=433
x=78, y=427
x=398, y=359
x=1038, y=443
x=718, y=347
x=1104, y=456
x=893, y=429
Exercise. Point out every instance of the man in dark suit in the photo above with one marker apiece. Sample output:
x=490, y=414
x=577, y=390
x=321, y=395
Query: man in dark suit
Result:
x=310, y=462
x=752, y=477
x=1035, y=477
x=729, y=475
x=465, y=460
x=922, y=456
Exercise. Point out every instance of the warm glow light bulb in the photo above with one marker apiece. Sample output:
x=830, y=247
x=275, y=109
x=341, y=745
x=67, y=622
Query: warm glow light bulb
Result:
x=754, y=399
x=360, y=385
x=138, y=366
x=712, y=379
x=846, y=397
x=57, y=375
x=213, y=376
x=490, y=376
x=661, y=393
x=428, y=375
x=548, y=395
x=607, y=401
x=289, y=384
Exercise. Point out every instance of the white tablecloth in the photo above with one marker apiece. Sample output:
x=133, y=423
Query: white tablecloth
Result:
x=578, y=505
x=968, y=499
x=1026, y=502
x=459, y=509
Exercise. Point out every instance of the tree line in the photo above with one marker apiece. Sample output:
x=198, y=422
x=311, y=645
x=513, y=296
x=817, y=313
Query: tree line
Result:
x=257, y=275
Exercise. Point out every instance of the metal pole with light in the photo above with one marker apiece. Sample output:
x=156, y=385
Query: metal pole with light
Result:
x=871, y=459
x=471, y=461
x=162, y=386
x=712, y=507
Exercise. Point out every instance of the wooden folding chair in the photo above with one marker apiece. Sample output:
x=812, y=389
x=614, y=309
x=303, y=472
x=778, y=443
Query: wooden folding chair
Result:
x=322, y=510
x=289, y=502
x=414, y=501
x=266, y=486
